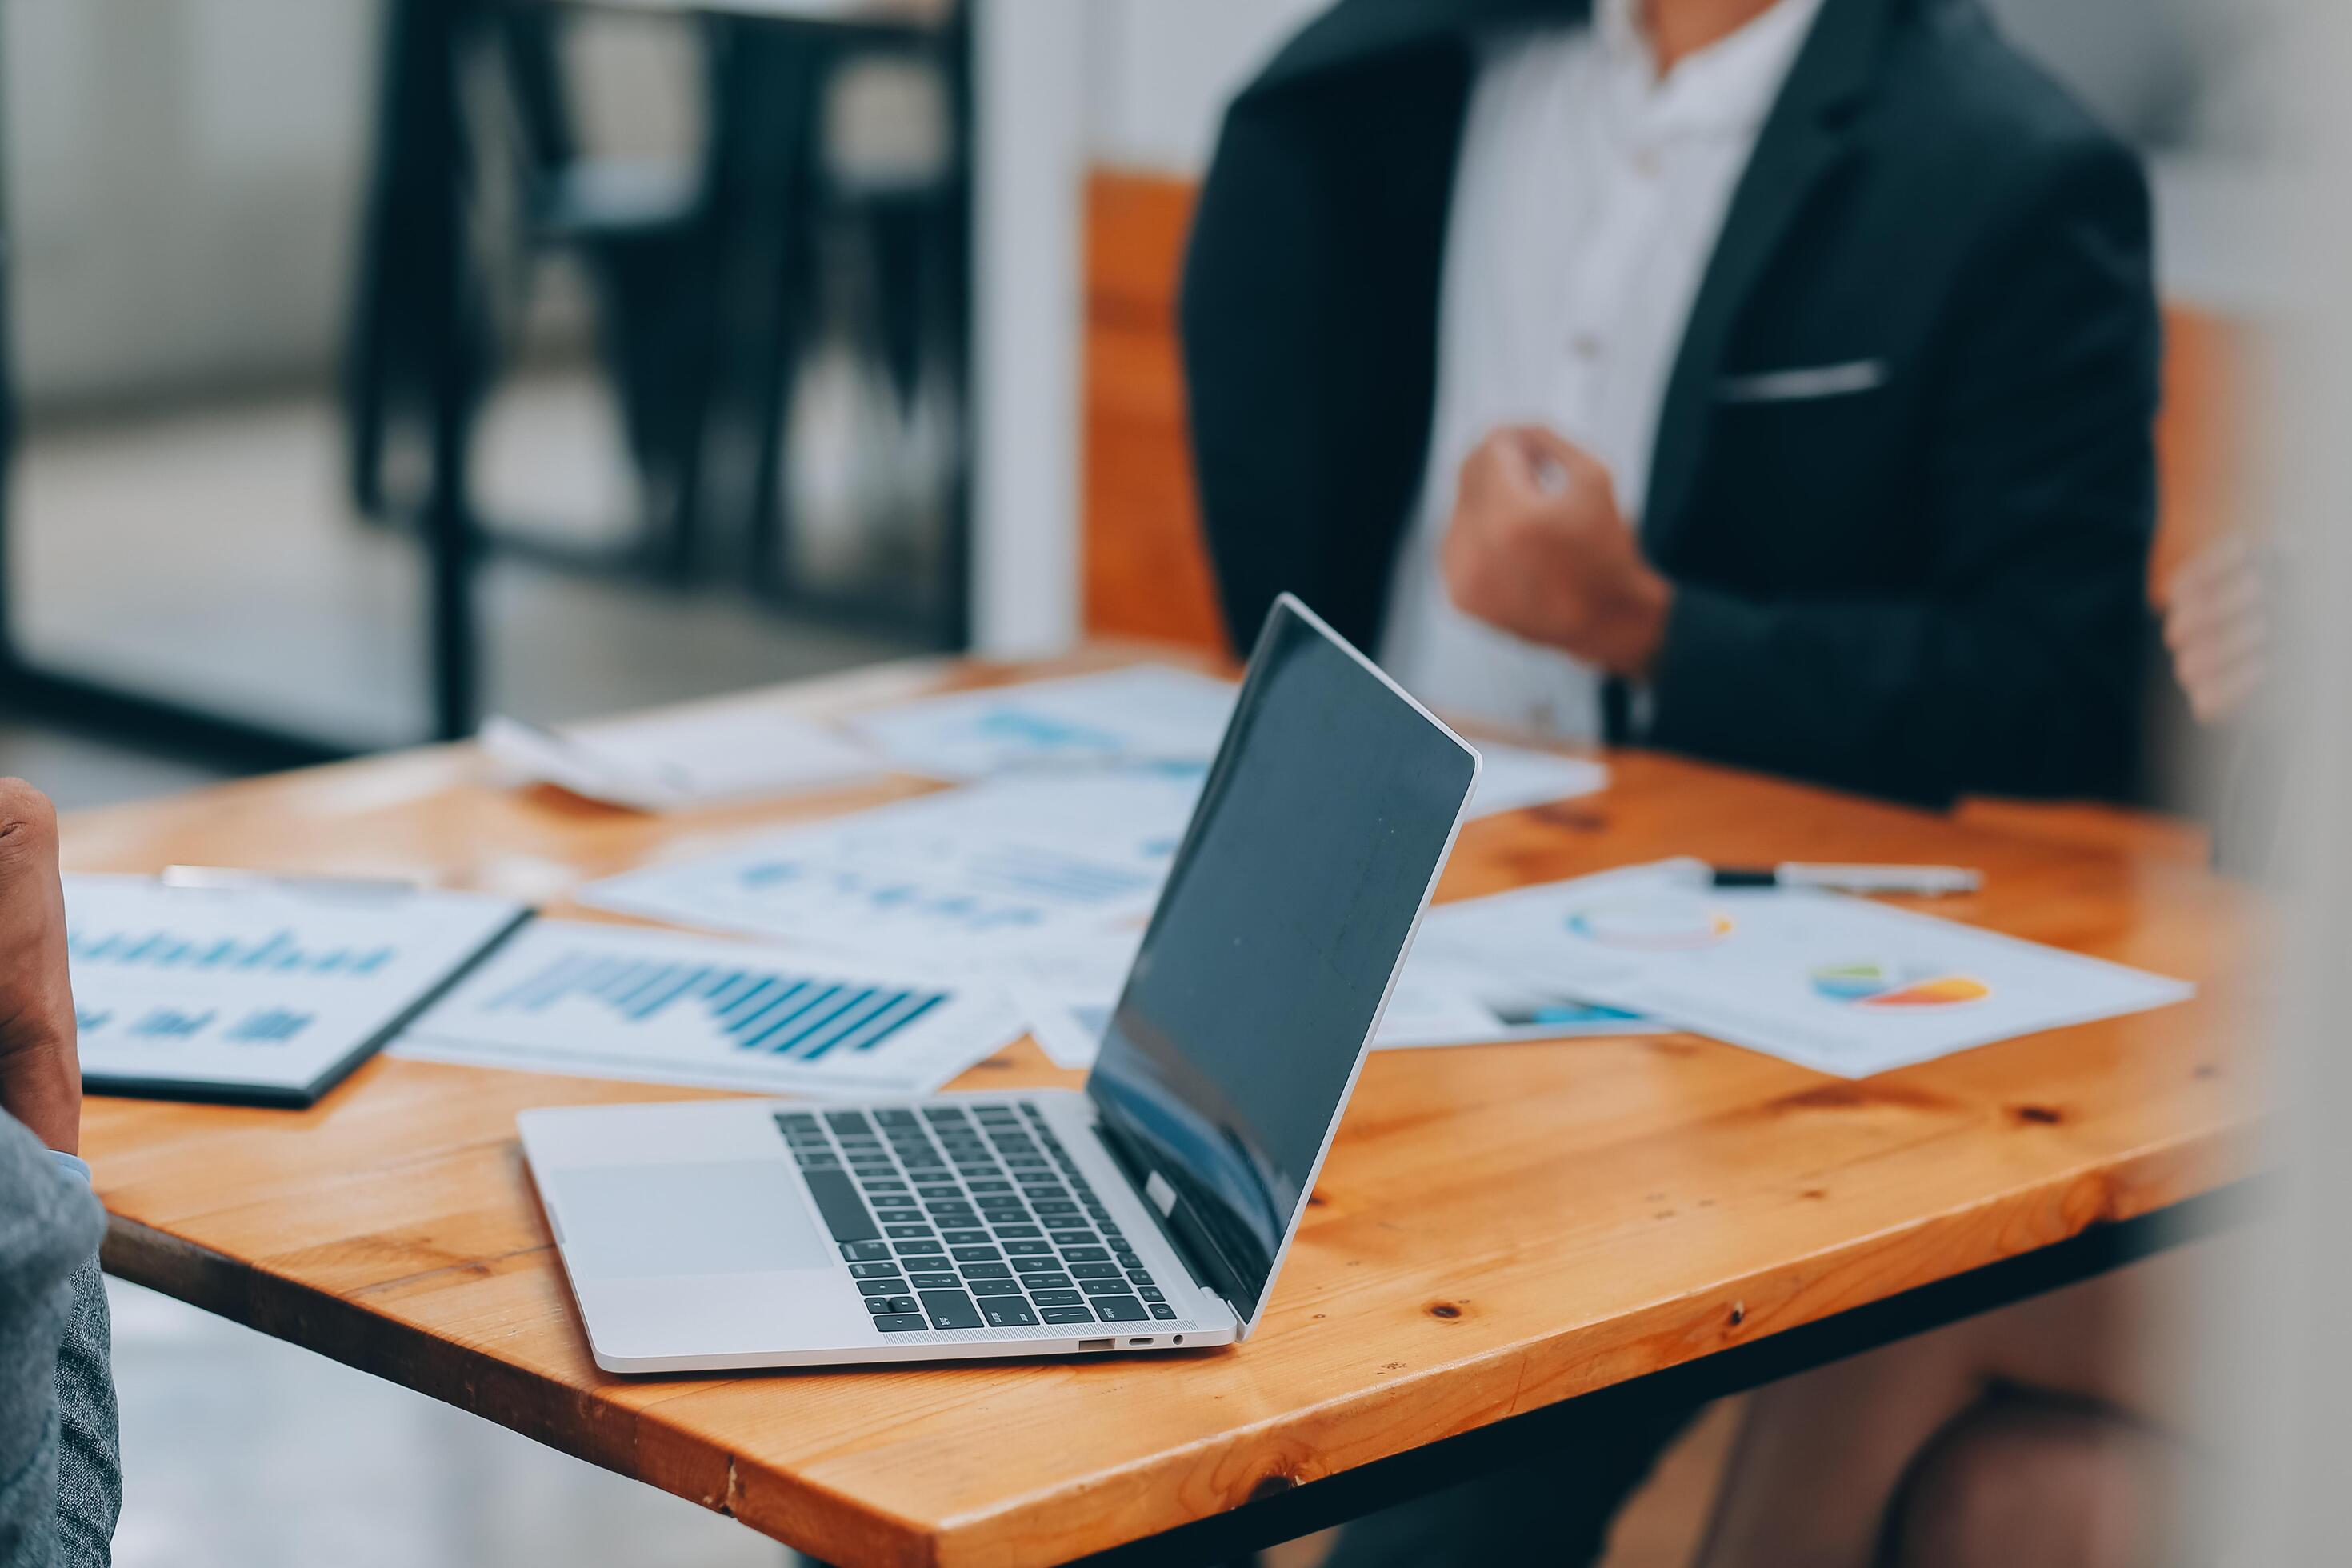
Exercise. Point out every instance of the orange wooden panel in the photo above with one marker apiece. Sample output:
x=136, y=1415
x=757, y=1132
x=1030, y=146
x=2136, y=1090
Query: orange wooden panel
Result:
x=1145, y=573
x=1498, y=1228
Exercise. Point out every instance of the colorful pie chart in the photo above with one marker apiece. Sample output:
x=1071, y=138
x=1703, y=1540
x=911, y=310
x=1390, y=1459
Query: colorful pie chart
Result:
x=1891, y=985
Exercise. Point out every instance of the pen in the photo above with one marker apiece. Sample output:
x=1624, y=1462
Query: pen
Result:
x=1925, y=881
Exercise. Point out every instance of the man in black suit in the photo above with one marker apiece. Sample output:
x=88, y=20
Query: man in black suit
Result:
x=1769, y=380
x=1844, y=468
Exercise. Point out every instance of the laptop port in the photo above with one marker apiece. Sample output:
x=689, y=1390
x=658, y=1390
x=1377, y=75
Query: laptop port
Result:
x=1097, y=1344
x=1144, y=1342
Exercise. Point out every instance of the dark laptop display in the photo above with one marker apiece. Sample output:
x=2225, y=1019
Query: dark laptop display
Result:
x=1326, y=817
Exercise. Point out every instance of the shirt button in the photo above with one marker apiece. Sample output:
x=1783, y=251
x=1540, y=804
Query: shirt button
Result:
x=1648, y=162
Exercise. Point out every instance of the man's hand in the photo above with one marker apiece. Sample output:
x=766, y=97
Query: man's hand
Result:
x=1537, y=549
x=2218, y=627
x=41, y=1076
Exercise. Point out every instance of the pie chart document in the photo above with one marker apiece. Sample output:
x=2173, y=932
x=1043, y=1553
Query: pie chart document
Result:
x=1840, y=985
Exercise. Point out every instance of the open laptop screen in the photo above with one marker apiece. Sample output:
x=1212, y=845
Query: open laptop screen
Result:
x=1318, y=838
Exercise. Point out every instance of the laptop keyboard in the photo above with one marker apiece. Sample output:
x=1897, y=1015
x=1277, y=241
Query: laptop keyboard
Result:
x=953, y=1216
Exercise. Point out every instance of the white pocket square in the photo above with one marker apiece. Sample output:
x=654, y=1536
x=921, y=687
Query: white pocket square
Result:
x=1797, y=385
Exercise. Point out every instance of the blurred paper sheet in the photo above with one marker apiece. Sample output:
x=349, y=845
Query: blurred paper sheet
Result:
x=1067, y=995
x=1516, y=777
x=974, y=875
x=1147, y=712
x=707, y=756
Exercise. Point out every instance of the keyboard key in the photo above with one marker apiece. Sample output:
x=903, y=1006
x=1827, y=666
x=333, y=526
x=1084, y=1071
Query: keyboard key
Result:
x=817, y=1161
x=1047, y=1281
x=1068, y=1315
x=978, y=1255
x=1165, y=1313
x=935, y=1282
x=890, y=1285
x=1138, y=1277
x=966, y=1239
x=1147, y=1292
x=877, y=1305
x=994, y=1287
x=1120, y=1309
x=895, y=1118
x=874, y=1184
x=1029, y=1248
x=907, y=1323
x=1033, y=1263
x=992, y=1186
x=950, y=1309
x=872, y=1270
x=1097, y=1272
x=945, y=1113
x=864, y=1251
x=1017, y=1232
x=918, y=1248
x=1056, y=1298
x=905, y=1232
x=837, y=1200
x=1046, y=1206
x=846, y=1121
x=1008, y=1313
x=1085, y=1255
x=987, y=1271
x=1105, y=1287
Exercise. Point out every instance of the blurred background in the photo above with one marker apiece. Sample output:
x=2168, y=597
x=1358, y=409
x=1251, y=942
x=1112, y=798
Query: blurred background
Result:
x=374, y=365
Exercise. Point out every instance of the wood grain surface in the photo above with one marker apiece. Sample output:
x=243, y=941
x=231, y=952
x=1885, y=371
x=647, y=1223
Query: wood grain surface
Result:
x=1498, y=1228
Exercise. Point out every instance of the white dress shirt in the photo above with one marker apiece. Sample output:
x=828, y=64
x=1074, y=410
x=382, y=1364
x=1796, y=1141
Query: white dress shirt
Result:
x=1587, y=202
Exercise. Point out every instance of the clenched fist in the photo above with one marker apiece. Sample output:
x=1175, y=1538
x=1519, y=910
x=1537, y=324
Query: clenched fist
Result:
x=1538, y=549
x=41, y=1076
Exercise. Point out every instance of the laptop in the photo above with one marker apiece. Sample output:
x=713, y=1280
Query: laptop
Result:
x=1150, y=1210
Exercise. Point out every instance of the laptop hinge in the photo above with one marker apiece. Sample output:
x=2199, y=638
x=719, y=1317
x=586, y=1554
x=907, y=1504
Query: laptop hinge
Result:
x=1209, y=1275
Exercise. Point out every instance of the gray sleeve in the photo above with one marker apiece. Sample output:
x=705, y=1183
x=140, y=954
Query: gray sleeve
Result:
x=60, y=1477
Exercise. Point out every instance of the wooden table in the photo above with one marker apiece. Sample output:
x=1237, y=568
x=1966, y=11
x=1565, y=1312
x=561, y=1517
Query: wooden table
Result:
x=1499, y=1230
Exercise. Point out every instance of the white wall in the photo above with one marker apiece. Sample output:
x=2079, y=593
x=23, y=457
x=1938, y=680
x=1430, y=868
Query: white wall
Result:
x=1064, y=84
x=1160, y=71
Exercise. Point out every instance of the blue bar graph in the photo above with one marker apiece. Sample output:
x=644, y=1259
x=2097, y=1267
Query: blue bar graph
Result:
x=803, y=1017
x=279, y=953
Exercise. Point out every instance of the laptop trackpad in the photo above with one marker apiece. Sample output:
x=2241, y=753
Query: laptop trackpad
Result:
x=629, y=1221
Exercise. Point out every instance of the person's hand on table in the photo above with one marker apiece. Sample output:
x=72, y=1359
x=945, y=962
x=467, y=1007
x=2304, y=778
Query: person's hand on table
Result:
x=2217, y=625
x=40, y=1076
x=1538, y=548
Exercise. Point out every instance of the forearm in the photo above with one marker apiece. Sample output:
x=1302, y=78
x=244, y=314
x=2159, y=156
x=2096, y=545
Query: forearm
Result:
x=1905, y=697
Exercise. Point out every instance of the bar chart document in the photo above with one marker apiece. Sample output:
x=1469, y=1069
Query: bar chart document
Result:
x=952, y=879
x=263, y=993
x=621, y=1002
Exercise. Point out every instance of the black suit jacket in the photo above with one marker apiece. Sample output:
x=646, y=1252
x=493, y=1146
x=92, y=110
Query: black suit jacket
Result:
x=1926, y=585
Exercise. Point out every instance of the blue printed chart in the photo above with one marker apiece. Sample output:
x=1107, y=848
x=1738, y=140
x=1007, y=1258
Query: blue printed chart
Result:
x=948, y=880
x=1147, y=712
x=605, y=1001
x=265, y=990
